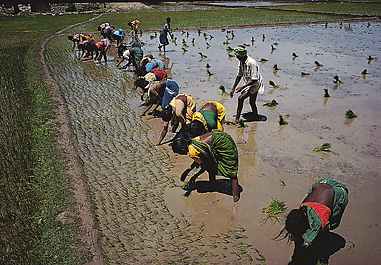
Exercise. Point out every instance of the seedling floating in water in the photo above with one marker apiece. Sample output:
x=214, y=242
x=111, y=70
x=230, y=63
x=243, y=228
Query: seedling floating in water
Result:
x=241, y=123
x=350, y=115
x=336, y=80
x=273, y=103
x=273, y=84
x=223, y=90
x=326, y=95
x=282, y=120
x=323, y=147
x=274, y=211
x=318, y=64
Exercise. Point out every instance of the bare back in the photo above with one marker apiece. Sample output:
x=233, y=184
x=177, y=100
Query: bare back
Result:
x=321, y=193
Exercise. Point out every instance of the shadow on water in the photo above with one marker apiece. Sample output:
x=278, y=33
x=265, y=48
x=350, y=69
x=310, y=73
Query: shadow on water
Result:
x=250, y=117
x=223, y=186
x=324, y=246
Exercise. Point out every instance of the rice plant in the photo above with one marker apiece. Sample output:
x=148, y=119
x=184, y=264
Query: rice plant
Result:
x=274, y=211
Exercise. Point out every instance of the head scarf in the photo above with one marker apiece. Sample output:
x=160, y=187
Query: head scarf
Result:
x=160, y=74
x=197, y=116
x=240, y=51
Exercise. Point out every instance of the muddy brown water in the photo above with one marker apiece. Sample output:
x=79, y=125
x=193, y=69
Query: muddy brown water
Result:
x=271, y=154
x=142, y=212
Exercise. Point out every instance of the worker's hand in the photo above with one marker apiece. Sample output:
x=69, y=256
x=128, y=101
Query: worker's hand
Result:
x=239, y=89
x=232, y=93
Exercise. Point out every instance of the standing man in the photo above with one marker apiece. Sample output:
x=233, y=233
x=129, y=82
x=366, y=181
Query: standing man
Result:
x=248, y=69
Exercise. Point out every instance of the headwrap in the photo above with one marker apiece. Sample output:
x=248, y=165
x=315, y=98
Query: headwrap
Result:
x=160, y=74
x=197, y=116
x=240, y=51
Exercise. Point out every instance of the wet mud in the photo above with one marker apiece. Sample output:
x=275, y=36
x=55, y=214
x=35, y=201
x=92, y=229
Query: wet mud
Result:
x=141, y=209
x=279, y=161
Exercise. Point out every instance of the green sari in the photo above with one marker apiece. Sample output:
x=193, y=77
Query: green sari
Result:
x=221, y=152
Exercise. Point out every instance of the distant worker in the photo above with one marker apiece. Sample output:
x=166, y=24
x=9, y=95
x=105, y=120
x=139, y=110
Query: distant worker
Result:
x=163, y=38
x=135, y=24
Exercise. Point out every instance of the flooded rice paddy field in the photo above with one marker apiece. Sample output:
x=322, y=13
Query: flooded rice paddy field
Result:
x=270, y=154
x=141, y=209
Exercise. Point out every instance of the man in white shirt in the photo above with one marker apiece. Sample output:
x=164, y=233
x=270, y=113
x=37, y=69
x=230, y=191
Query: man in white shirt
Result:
x=248, y=69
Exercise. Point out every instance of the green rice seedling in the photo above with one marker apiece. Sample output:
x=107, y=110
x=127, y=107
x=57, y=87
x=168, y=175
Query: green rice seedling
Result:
x=209, y=72
x=337, y=81
x=364, y=72
x=185, y=186
x=261, y=257
x=294, y=55
x=273, y=103
x=350, y=114
x=275, y=67
x=351, y=246
x=318, y=64
x=326, y=94
x=274, y=211
x=323, y=147
x=282, y=121
x=273, y=84
x=282, y=183
x=241, y=123
x=304, y=73
x=222, y=88
x=263, y=60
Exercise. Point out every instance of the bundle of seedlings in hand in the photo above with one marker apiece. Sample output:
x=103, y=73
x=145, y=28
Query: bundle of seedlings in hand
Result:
x=223, y=90
x=350, y=115
x=326, y=95
x=323, y=147
x=271, y=104
x=282, y=120
x=274, y=211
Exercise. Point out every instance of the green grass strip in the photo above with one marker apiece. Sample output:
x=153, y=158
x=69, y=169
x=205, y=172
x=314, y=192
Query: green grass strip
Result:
x=347, y=8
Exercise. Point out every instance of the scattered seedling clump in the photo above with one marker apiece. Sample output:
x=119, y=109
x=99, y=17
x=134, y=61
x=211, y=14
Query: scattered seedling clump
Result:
x=337, y=81
x=273, y=103
x=223, y=90
x=323, y=147
x=274, y=211
x=241, y=123
x=273, y=84
x=350, y=115
x=326, y=94
x=282, y=121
